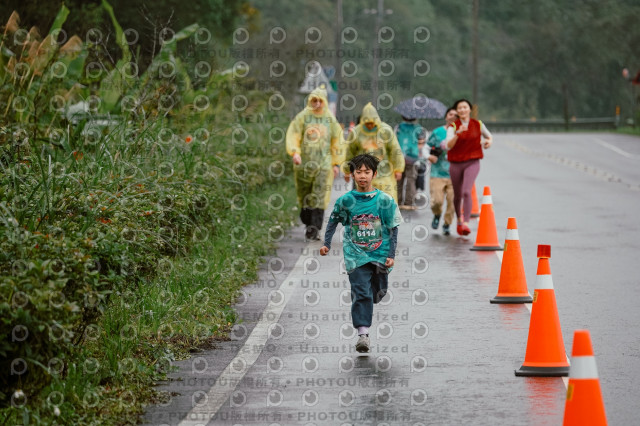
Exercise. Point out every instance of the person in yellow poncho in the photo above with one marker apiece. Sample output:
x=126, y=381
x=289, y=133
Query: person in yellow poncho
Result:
x=316, y=145
x=372, y=136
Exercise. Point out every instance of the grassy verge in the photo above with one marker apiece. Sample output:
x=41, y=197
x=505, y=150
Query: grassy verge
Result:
x=132, y=208
x=635, y=131
x=187, y=306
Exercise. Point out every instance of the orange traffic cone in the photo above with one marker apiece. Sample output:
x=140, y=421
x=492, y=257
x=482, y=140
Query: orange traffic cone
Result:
x=487, y=237
x=475, y=208
x=584, y=405
x=512, y=287
x=545, y=354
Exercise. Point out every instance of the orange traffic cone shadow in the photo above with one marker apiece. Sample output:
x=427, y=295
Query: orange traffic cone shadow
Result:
x=487, y=237
x=545, y=354
x=475, y=208
x=584, y=405
x=512, y=287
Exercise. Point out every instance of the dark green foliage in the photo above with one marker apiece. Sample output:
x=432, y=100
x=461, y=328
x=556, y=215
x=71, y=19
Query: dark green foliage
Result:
x=147, y=18
x=545, y=59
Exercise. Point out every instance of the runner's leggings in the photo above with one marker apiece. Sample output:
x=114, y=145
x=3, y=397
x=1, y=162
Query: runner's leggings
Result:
x=463, y=175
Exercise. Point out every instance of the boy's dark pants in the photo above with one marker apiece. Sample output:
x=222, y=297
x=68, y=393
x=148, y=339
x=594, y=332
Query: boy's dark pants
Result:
x=369, y=284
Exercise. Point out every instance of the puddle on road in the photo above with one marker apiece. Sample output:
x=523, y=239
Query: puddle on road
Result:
x=487, y=269
x=513, y=316
x=546, y=398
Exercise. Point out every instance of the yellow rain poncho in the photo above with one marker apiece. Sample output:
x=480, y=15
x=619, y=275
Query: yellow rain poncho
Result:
x=317, y=137
x=381, y=142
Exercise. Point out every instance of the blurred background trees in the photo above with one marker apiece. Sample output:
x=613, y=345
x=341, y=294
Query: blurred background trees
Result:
x=146, y=18
x=549, y=58
x=545, y=59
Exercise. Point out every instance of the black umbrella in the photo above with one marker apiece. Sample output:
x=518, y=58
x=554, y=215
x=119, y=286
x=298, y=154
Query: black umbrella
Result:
x=421, y=107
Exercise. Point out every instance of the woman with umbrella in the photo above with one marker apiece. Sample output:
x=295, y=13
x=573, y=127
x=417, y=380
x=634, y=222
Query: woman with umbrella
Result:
x=419, y=106
x=464, y=145
x=409, y=134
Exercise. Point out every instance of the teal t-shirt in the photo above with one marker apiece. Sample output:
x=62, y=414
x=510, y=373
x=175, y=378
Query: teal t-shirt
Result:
x=441, y=168
x=368, y=218
x=408, y=134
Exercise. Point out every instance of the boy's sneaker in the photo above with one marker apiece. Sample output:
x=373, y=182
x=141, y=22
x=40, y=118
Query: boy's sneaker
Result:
x=363, y=343
x=445, y=229
x=435, y=222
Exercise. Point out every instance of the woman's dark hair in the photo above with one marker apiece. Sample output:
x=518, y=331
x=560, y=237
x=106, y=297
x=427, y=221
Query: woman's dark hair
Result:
x=455, y=104
x=451, y=109
x=368, y=160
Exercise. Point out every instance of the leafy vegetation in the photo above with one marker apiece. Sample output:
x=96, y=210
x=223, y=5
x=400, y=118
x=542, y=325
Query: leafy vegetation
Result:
x=145, y=23
x=123, y=201
x=629, y=130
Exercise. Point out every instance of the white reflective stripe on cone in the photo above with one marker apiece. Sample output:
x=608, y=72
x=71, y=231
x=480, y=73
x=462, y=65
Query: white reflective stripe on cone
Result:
x=486, y=199
x=583, y=367
x=512, y=234
x=544, y=282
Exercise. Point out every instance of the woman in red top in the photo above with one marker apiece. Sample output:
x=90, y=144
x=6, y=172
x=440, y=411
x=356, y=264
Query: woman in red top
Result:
x=464, y=145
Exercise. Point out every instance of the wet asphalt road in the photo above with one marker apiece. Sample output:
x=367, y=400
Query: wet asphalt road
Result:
x=441, y=353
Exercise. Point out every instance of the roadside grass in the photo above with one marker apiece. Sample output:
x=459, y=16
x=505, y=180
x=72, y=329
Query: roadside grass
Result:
x=129, y=218
x=628, y=130
x=186, y=307
x=122, y=250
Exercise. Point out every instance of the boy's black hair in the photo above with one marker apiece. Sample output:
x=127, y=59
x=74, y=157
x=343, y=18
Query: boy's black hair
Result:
x=368, y=160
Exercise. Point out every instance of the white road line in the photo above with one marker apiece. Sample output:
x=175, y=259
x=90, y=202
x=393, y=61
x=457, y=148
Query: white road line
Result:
x=210, y=403
x=616, y=149
x=565, y=380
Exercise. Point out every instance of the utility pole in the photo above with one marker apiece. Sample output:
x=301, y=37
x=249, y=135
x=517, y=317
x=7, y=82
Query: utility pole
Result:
x=375, y=51
x=474, y=56
x=338, y=64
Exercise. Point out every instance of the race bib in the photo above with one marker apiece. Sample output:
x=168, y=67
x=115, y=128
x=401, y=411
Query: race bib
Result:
x=366, y=231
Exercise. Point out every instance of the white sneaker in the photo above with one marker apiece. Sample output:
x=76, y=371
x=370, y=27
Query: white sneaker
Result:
x=363, y=343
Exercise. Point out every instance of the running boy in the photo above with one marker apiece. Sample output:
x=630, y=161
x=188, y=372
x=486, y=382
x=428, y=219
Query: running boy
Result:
x=371, y=218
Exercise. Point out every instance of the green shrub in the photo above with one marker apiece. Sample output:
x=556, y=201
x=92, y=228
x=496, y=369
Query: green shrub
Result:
x=94, y=207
